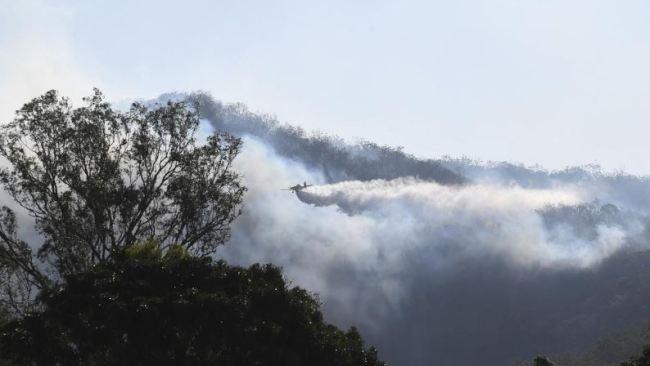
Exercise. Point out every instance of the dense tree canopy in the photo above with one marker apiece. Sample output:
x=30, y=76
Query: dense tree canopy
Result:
x=337, y=159
x=96, y=180
x=149, y=308
x=128, y=207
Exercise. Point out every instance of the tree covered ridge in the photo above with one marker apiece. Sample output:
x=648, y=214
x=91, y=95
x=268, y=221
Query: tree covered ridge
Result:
x=174, y=308
x=337, y=159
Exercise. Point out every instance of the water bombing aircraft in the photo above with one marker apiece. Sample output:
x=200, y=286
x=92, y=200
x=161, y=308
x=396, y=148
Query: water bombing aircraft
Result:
x=298, y=187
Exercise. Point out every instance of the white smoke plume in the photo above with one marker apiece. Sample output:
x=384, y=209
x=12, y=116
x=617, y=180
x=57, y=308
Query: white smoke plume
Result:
x=38, y=54
x=369, y=248
x=443, y=262
x=505, y=219
x=464, y=264
x=363, y=219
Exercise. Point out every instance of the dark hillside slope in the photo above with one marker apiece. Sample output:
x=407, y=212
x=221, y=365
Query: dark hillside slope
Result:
x=613, y=349
x=621, y=188
x=490, y=314
x=434, y=283
x=337, y=159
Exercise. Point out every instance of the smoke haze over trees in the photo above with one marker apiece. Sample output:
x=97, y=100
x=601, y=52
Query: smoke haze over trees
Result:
x=456, y=183
x=127, y=209
x=437, y=261
x=337, y=160
x=445, y=261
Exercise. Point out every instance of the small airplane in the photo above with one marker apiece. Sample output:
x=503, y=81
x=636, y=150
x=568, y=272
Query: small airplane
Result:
x=298, y=187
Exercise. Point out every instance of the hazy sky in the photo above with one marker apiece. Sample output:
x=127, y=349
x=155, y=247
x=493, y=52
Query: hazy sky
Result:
x=552, y=82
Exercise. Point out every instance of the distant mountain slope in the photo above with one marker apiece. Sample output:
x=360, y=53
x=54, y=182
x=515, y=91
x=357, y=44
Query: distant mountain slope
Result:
x=337, y=159
x=619, y=188
x=611, y=350
x=492, y=314
x=431, y=275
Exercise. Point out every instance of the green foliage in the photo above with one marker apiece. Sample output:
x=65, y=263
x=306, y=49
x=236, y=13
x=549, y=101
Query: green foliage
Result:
x=96, y=180
x=149, y=251
x=176, y=252
x=147, y=308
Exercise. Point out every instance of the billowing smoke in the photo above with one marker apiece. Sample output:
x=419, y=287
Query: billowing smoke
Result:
x=401, y=258
x=444, y=262
x=508, y=221
x=440, y=262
